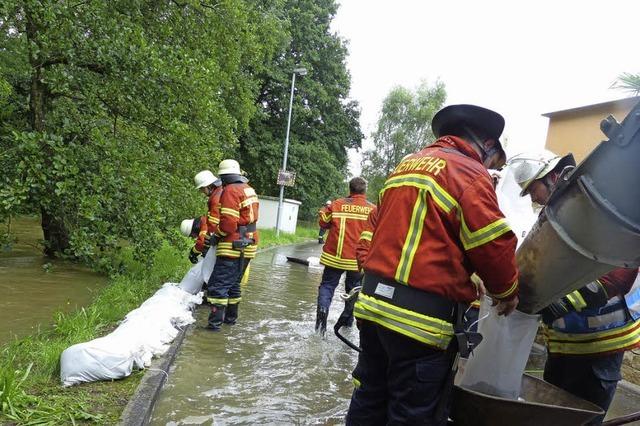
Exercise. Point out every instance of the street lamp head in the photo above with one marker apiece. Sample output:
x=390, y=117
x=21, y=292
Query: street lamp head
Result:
x=300, y=71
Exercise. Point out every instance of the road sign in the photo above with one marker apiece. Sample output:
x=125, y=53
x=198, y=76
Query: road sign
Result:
x=286, y=178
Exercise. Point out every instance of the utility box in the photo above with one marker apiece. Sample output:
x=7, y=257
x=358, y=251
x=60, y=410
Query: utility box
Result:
x=269, y=214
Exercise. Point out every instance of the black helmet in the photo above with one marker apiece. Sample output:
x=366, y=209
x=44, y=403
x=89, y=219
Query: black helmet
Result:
x=451, y=118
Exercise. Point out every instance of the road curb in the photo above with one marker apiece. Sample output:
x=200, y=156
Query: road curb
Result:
x=140, y=406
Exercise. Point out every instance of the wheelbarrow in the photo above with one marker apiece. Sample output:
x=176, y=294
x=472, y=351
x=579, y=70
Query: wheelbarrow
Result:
x=541, y=403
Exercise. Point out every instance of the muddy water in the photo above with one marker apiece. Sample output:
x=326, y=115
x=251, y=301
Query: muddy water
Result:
x=270, y=368
x=33, y=287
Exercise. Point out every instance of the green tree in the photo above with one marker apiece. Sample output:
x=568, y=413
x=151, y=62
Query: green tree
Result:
x=324, y=122
x=629, y=82
x=116, y=105
x=404, y=127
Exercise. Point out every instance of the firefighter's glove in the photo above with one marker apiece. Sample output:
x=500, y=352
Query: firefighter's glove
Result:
x=193, y=256
x=207, y=241
x=214, y=240
x=556, y=310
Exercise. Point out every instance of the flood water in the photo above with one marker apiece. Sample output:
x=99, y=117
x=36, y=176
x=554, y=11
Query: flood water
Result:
x=270, y=368
x=33, y=287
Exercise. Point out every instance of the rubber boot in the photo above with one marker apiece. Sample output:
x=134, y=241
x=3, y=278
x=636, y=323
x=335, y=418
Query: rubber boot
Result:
x=216, y=317
x=231, y=314
x=321, y=320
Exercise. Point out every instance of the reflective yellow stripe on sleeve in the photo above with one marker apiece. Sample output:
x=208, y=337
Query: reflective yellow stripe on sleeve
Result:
x=576, y=299
x=366, y=235
x=508, y=292
x=483, y=235
x=230, y=212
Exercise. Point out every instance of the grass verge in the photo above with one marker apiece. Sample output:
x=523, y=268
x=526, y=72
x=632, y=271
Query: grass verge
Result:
x=30, y=390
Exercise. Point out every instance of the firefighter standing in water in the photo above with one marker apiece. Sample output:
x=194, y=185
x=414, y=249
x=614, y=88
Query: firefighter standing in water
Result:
x=345, y=219
x=588, y=330
x=237, y=242
x=438, y=221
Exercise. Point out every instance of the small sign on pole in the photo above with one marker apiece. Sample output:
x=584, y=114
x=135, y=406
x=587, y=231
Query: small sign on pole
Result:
x=286, y=178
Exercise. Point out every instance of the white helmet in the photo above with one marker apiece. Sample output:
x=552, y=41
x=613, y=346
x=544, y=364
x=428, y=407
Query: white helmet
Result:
x=229, y=167
x=204, y=178
x=531, y=167
x=186, y=226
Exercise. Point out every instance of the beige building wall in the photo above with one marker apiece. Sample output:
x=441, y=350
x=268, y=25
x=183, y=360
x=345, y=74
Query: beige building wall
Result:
x=577, y=130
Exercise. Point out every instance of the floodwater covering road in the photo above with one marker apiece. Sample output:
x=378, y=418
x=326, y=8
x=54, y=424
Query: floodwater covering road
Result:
x=33, y=287
x=270, y=368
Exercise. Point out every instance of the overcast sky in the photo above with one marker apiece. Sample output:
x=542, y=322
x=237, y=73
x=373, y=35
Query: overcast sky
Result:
x=520, y=58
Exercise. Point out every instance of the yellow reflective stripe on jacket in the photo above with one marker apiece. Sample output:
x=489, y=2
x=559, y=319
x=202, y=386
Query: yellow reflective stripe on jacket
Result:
x=354, y=216
x=366, y=235
x=470, y=239
x=576, y=299
x=225, y=249
x=230, y=212
x=508, y=292
x=213, y=219
x=441, y=197
x=412, y=240
x=215, y=301
x=616, y=339
x=248, y=201
x=341, y=231
x=338, y=263
x=483, y=235
x=429, y=330
x=325, y=217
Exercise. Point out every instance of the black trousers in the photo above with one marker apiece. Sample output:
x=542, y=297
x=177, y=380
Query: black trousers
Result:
x=592, y=378
x=397, y=380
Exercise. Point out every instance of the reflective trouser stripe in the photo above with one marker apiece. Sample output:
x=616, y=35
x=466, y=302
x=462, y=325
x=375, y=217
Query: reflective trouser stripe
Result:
x=215, y=301
x=234, y=300
x=413, y=237
x=620, y=338
x=429, y=330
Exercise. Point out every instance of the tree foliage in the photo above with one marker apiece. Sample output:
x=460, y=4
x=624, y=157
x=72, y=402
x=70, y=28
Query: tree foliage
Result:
x=324, y=122
x=404, y=127
x=629, y=82
x=110, y=108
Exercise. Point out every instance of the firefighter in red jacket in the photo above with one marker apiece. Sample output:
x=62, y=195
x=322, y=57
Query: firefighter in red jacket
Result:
x=237, y=241
x=588, y=330
x=210, y=186
x=438, y=222
x=345, y=219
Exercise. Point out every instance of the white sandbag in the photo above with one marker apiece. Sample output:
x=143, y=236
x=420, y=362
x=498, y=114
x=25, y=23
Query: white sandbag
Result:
x=496, y=366
x=199, y=273
x=145, y=332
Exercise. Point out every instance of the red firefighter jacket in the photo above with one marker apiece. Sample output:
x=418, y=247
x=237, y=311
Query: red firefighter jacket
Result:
x=345, y=219
x=203, y=235
x=238, y=207
x=438, y=221
x=213, y=215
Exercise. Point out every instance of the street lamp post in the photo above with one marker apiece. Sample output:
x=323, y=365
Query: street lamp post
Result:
x=301, y=71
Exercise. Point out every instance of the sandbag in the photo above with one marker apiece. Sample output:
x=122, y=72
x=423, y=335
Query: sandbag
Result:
x=146, y=331
x=496, y=366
